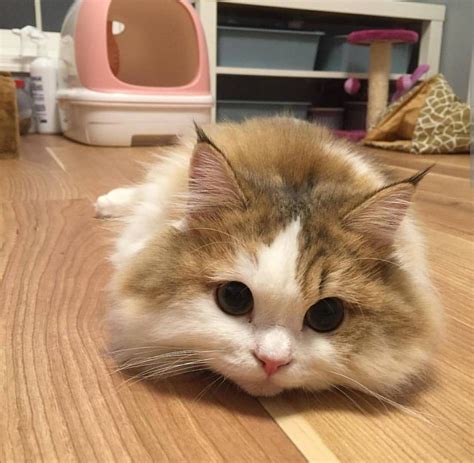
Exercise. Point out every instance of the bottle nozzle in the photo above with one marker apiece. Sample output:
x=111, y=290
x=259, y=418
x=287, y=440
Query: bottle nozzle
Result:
x=39, y=38
x=24, y=33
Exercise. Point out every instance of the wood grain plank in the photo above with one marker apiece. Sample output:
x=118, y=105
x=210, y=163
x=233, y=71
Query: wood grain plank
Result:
x=441, y=213
x=433, y=423
x=97, y=170
x=29, y=179
x=299, y=430
x=445, y=185
x=447, y=164
x=60, y=400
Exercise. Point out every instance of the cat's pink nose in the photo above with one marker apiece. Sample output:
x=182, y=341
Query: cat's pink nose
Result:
x=271, y=364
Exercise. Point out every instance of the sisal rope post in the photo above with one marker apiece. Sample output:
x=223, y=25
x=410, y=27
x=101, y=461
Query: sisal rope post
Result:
x=379, y=74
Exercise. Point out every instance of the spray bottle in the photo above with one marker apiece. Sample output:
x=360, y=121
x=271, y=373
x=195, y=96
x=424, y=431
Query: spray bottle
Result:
x=43, y=72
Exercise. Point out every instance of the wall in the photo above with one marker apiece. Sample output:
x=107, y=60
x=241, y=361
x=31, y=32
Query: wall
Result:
x=456, y=50
x=47, y=15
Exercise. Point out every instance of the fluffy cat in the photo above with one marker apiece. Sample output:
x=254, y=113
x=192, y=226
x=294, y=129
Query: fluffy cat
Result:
x=275, y=255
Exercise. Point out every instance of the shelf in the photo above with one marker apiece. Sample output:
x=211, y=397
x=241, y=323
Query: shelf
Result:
x=393, y=9
x=225, y=70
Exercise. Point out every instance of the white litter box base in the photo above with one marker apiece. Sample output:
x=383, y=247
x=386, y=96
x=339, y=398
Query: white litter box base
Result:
x=120, y=123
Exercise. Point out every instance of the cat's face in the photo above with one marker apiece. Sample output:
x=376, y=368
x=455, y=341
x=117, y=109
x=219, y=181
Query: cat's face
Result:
x=280, y=287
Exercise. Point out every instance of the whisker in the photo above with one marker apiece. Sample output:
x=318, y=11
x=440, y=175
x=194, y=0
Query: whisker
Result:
x=163, y=369
x=168, y=353
x=348, y=397
x=214, y=243
x=363, y=397
x=165, y=359
x=165, y=346
x=396, y=264
x=207, y=388
x=155, y=373
x=138, y=362
x=391, y=402
x=218, y=231
x=115, y=351
x=224, y=380
x=355, y=302
x=158, y=374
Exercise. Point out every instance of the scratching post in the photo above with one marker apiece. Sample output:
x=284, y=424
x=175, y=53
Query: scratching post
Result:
x=380, y=42
x=9, y=127
x=379, y=75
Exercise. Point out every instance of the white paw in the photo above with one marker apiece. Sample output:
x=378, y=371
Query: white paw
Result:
x=115, y=203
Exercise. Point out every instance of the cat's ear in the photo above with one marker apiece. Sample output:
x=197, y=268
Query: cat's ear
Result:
x=212, y=181
x=380, y=215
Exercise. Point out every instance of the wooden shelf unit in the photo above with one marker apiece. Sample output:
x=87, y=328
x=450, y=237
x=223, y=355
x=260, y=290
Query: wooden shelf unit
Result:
x=431, y=17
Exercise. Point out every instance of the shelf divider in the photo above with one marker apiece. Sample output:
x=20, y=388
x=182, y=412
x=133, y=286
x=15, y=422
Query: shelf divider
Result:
x=240, y=71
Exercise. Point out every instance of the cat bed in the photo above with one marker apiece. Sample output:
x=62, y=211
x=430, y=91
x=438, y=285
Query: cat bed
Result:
x=132, y=71
x=430, y=118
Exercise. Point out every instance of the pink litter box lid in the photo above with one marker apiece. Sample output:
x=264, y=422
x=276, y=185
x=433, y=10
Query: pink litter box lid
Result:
x=92, y=54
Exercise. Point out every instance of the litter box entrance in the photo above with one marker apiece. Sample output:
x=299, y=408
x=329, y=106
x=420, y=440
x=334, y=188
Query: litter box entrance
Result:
x=152, y=43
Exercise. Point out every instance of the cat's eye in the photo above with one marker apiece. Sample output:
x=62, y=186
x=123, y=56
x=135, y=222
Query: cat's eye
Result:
x=234, y=298
x=326, y=315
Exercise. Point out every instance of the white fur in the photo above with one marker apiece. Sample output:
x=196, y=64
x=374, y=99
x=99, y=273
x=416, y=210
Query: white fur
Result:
x=278, y=304
x=276, y=330
x=277, y=326
x=115, y=203
x=271, y=276
x=360, y=166
x=275, y=342
x=153, y=202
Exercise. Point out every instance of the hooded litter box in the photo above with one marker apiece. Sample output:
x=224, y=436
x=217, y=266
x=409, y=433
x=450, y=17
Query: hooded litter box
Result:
x=132, y=72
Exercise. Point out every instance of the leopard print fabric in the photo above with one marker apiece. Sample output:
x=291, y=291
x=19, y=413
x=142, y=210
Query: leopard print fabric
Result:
x=442, y=125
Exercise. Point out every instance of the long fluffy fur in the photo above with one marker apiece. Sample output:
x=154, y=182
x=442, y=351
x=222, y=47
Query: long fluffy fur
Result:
x=297, y=216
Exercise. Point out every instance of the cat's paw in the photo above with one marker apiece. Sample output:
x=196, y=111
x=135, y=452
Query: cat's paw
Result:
x=115, y=203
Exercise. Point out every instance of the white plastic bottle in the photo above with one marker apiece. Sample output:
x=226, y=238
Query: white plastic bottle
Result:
x=43, y=72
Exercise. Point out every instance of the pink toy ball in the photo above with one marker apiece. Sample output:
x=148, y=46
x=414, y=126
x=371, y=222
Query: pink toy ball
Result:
x=352, y=86
x=404, y=83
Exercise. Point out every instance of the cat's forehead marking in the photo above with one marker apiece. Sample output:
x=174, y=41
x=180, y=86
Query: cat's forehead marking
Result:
x=272, y=272
x=276, y=263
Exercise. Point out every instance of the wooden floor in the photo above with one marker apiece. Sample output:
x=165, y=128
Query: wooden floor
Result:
x=62, y=401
